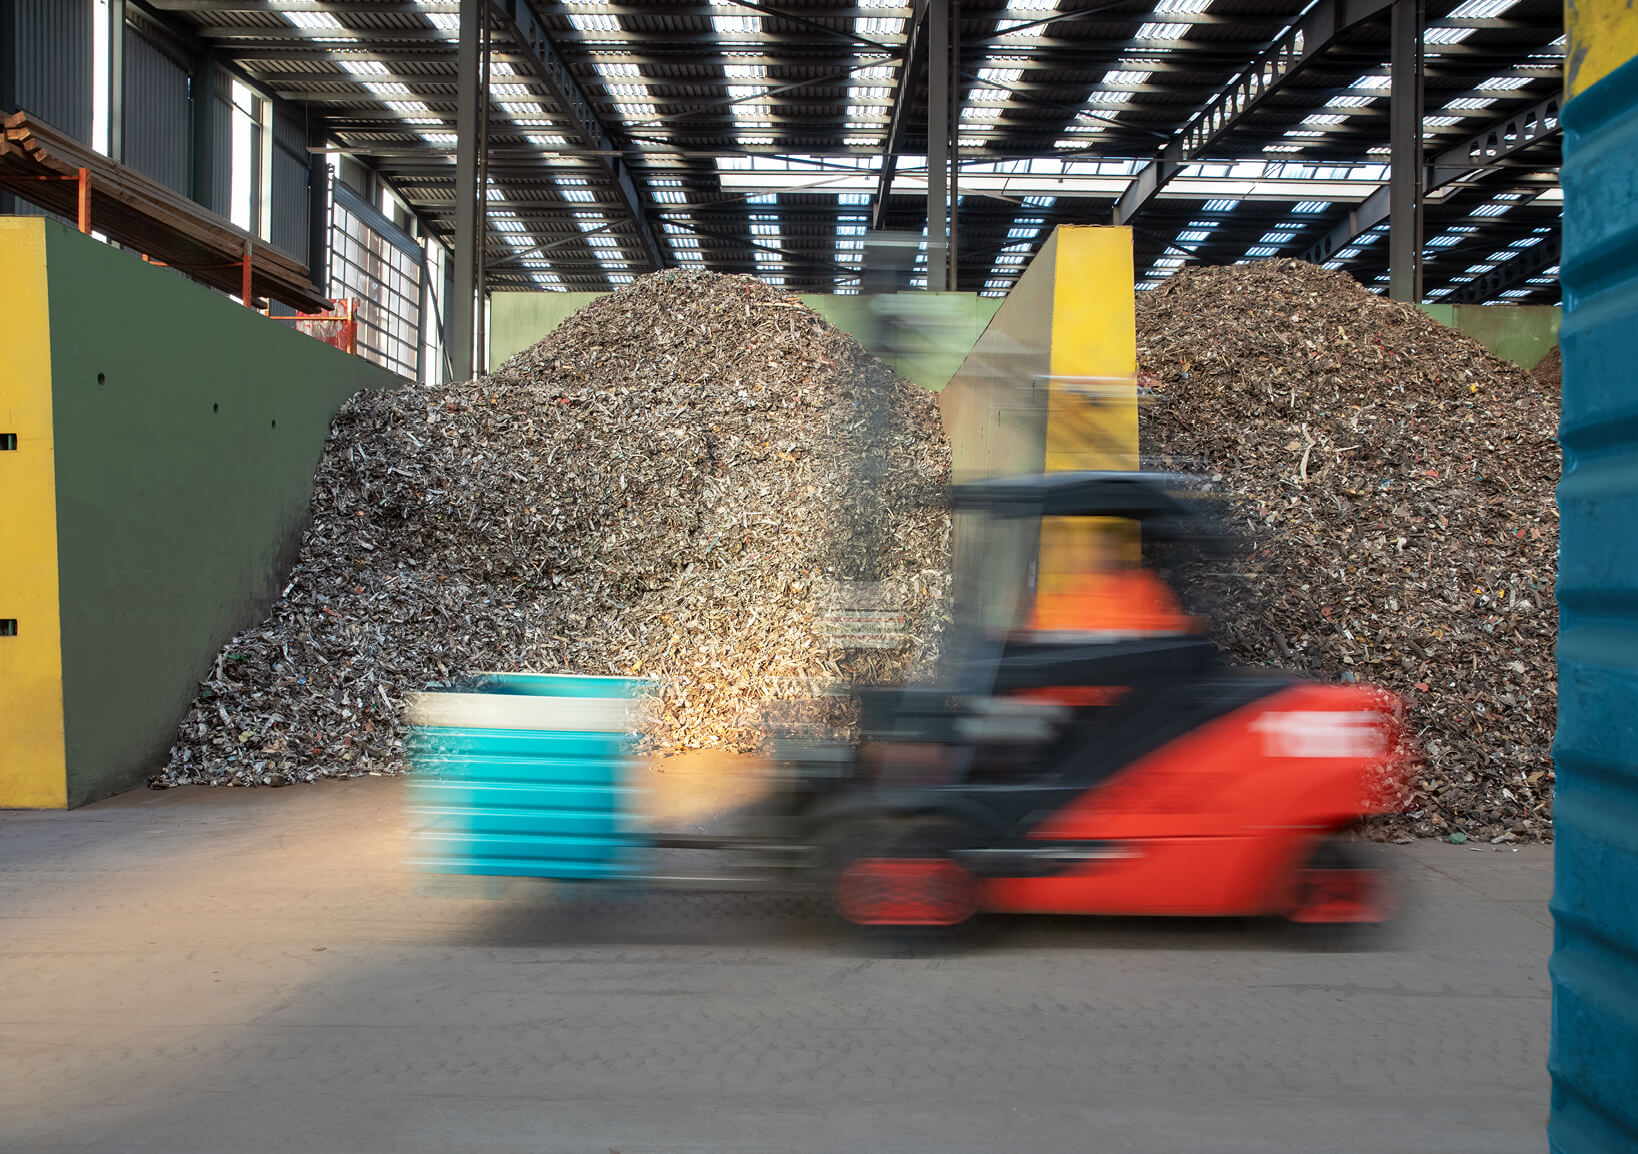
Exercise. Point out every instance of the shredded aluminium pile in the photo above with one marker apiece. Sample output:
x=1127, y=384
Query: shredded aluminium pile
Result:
x=1396, y=481
x=670, y=486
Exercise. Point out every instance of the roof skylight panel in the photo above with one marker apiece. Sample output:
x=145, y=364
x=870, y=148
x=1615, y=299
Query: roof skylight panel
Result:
x=1160, y=31
x=1503, y=83
x=1474, y=102
x=729, y=26
x=1307, y=206
x=1481, y=9
x=320, y=21
x=594, y=22
x=1437, y=35
x=879, y=26
x=1350, y=101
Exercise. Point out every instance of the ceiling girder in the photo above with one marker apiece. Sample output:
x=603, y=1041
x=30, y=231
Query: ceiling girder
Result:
x=518, y=19
x=1266, y=75
x=898, y=123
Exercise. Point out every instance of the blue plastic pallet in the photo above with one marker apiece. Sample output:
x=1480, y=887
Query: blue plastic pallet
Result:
x=526, y=775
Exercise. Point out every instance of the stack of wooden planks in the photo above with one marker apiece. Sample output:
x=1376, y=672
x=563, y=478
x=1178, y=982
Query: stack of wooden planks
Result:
x=42, y=165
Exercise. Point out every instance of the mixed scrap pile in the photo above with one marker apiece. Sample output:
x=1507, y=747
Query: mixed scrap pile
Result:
x=668, y=486
x=1397, y=483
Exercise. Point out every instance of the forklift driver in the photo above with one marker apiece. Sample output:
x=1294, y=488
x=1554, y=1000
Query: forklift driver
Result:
x=1112, y=597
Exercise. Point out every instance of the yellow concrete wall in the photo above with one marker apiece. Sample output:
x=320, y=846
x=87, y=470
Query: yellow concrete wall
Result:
x=1603, y=36
x=1092, y=409
x=32, y=773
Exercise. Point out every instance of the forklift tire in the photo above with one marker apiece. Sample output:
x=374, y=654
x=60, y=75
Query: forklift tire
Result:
x=895, y=880
x=1339, y=897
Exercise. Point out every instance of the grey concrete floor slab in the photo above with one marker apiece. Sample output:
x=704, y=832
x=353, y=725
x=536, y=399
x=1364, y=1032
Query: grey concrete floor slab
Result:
x=255, y=971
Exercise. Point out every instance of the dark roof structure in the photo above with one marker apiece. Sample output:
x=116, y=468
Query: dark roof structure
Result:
x=752, y=135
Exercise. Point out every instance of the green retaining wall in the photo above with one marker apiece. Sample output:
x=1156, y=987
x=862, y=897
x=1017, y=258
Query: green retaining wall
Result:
x=187, y=429
x=1522, y=334
x=924, y=336
x=519, y=319
x=995, y=407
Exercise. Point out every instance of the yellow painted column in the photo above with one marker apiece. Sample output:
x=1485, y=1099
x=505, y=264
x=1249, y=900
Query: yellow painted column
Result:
x=33, y=770
x=1603, y=35
x=1092, y=399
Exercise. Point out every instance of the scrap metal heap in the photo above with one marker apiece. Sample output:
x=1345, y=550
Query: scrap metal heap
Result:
x=667, y=486
x=1397, y=481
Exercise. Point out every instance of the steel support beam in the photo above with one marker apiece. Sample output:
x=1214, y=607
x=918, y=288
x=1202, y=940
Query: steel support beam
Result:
x=1489, y=145
x=1267, y=74
x=1361, y=218
x=938, y=146
x=1530, y=262
x=518, y=20
x=953, y=271
x=898, y=124
x=318, y=208
x=1405, y=153
x=468, y=205
x=116, y=80
x=1495, y=142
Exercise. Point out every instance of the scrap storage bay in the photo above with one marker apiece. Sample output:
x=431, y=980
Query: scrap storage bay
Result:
x=665, y=485
x=1397, y=483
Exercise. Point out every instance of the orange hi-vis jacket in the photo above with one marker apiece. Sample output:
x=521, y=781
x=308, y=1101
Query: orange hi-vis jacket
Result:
x=1123, y=601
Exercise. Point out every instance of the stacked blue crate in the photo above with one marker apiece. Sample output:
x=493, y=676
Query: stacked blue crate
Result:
x=526, y=775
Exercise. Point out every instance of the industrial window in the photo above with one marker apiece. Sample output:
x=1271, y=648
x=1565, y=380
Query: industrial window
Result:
x=384, y=276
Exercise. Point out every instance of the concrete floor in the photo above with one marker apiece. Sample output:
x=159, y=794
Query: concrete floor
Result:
x=245, y=971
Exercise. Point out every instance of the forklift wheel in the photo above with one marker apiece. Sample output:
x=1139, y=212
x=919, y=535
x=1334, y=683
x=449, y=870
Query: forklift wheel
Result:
x=897, y=879
x=1337, y=887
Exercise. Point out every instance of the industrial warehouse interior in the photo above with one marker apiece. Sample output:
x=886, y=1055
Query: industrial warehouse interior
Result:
x=763, y=575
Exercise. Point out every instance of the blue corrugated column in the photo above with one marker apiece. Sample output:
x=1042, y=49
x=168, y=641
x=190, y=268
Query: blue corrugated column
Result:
x=1594, y=969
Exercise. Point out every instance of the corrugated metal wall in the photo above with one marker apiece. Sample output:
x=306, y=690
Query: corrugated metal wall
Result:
x=1594, y=969
x=46, y=61
x=158, y=114
x=287, y=185
x=46, y=51
x=213, y=125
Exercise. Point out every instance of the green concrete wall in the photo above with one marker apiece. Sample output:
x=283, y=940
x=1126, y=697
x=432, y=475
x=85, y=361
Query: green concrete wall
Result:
x=933, y=334
x=187, y=429
x=519, y=319
x=924, y=336
x=1522, y=334
x=995, y=406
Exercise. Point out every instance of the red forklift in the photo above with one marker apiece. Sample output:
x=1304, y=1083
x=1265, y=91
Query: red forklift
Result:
x=1078, y=756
